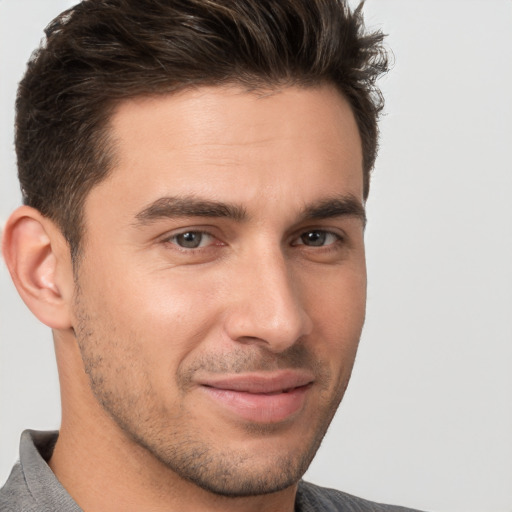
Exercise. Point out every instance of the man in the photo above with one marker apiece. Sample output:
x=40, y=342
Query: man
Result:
x=194, y=177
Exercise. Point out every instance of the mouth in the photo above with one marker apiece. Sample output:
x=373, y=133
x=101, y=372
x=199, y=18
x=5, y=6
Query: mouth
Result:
x=260, y=397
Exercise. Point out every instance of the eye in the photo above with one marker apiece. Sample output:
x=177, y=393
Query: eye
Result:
x=191, y=239
x=317, y=238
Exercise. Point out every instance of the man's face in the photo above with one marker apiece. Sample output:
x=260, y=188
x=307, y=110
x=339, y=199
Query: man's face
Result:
x=221, y=294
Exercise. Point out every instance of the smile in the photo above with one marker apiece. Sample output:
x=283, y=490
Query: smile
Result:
x=260, y=398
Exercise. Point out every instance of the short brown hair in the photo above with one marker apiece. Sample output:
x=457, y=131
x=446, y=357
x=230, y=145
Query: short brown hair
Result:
x=101, y=52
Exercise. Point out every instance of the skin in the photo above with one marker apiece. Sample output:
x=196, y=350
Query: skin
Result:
x=148, y=327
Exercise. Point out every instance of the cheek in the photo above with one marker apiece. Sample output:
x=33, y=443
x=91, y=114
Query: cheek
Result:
x=338, y=317
x=162, y=313
x=337, y=305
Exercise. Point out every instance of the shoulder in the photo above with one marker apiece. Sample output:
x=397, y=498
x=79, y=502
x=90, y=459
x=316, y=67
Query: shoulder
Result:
x=31, y=486
x=15, y=495
x=312, y=498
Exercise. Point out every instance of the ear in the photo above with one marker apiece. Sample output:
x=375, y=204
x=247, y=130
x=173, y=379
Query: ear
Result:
x=39, y=260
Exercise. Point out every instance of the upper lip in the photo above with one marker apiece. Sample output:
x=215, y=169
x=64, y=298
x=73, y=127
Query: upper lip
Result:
x=260, y=382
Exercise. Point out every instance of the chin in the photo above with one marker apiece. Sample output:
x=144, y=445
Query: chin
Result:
x=237, y=478
x=267, y=463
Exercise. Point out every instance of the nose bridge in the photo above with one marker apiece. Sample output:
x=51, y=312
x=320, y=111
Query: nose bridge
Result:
x=268, y=306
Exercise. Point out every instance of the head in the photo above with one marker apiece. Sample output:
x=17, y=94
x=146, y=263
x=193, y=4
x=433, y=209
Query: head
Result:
x=200, y=169
x=101, y=53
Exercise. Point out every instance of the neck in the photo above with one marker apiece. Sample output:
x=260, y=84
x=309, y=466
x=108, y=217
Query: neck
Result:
x=106, y=475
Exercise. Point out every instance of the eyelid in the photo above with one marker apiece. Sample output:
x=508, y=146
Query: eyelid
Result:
x=337, y=233
x=170, y=238
x=188, y=228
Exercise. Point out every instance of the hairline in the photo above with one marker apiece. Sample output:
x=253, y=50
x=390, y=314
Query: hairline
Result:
x=260, y=86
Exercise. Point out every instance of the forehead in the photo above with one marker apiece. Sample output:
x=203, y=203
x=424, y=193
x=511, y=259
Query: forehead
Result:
x=226, y=143
x=231, y=115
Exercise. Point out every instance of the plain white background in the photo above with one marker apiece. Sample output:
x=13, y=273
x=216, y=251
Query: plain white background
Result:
x=427, y=419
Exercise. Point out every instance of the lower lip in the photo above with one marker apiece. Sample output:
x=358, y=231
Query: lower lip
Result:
x=260, y=407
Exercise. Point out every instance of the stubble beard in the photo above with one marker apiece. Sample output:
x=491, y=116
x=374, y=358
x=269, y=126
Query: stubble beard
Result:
x=170, y=437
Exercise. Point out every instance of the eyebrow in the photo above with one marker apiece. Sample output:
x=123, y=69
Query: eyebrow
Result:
x=338, y=206
x=190, y=206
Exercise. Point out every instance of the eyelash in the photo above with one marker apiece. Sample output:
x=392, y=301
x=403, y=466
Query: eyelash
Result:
x=324, y=233
x=172, y=239
x=297, y=241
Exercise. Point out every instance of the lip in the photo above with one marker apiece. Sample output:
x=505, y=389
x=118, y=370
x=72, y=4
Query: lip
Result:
x=260, y=397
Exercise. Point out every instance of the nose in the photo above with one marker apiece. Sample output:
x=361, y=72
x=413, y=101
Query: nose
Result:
x=265, y=304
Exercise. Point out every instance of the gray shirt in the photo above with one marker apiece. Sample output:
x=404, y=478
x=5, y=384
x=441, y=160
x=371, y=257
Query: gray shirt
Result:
x=32, y=487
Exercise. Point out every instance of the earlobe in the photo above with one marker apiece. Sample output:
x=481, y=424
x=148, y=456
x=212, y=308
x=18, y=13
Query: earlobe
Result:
x=38, y=260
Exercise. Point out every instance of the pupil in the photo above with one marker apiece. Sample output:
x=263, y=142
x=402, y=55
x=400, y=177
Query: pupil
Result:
x=314, y=238
x=189, y=239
